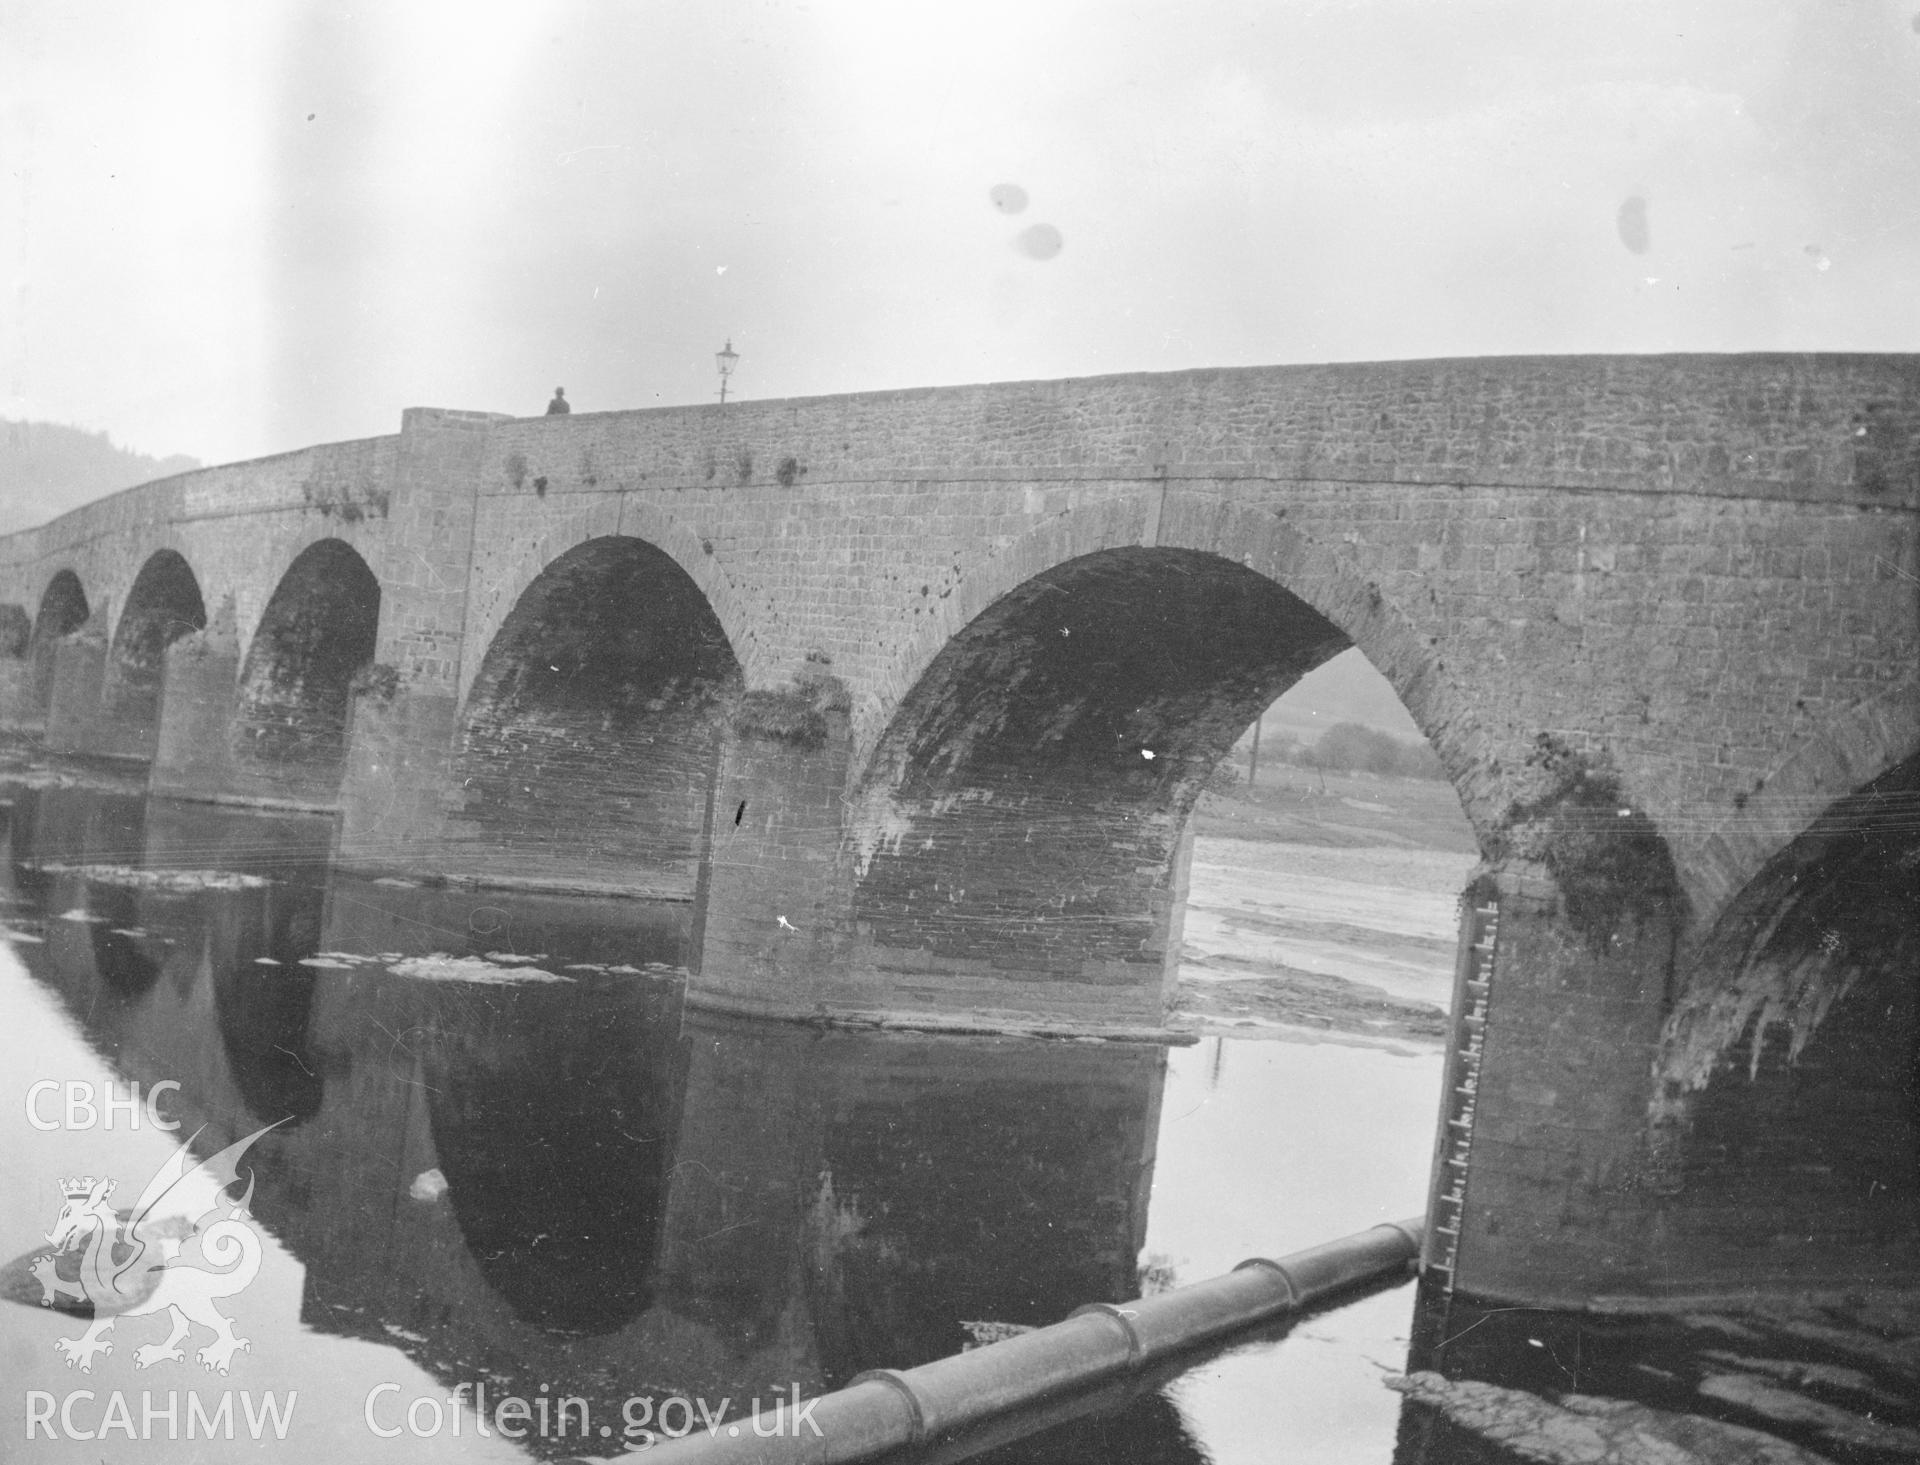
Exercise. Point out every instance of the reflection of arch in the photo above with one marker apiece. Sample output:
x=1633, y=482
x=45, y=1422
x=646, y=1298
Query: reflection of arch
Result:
x=123, y=965
x=1789, y=1066
x=96, y=964
x=588, y=736
x=938, y=1154
x=63, y=610
x=265, y=1011
x=555, y=1109
x=163, y=605
x=319, y=628
x=1847, y=753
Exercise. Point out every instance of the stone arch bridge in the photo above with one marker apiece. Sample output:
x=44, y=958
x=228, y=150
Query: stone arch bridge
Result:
x=904, y=699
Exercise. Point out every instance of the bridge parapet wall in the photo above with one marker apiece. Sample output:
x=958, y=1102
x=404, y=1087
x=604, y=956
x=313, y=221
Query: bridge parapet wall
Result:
x=231, y=517
x=1828, y=428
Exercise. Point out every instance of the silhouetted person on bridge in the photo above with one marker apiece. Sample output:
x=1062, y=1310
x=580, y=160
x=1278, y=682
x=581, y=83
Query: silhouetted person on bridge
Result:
x=558, y=407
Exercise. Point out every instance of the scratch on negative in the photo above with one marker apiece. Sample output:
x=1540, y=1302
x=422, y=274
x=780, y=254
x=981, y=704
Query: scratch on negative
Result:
x=397, y=1043
x=723, y=1231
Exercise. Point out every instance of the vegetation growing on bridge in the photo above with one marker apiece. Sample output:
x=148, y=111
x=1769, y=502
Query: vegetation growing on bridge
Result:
x=795, y=714
x=1614, y=870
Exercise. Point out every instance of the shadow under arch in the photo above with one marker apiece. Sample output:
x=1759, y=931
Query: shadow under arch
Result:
x=63, y=610
x=163, y=605
x=1260, y=539
x=318, y=630
x=1788, y=1076
x=1024, y=810
x=588, y=741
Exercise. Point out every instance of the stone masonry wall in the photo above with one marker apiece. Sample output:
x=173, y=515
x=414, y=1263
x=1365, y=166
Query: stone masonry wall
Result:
x=1692, y=564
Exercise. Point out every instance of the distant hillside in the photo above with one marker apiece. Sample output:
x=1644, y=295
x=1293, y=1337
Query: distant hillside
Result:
x=1345, y=689
x=47, y=469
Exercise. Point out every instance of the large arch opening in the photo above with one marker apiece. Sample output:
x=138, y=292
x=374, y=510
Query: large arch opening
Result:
x=63, y=610
x=1788, y=1117
x=320, y=627
x=1025, y=810
x=163, y=606
x=588, y=742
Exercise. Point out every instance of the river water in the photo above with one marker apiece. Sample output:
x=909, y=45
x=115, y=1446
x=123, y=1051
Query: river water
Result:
x=509, y=1153
x=507, y=1158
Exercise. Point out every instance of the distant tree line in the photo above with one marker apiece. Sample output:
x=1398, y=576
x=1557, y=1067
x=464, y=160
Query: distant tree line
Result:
x=1353, y=747
x=47, y=468
x=1346, y=747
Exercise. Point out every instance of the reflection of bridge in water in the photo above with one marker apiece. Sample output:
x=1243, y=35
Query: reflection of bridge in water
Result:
x=639, y=1198
x=904, y=700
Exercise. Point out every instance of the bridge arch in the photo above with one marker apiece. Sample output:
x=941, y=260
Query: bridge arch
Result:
x=587, y=743
x=163, y=605
x=504, y=573
x=1848, y=752
x=63, y=610
x=1025, y=809
x=1786, y=1075
x=318, y=629
x=1256, y=538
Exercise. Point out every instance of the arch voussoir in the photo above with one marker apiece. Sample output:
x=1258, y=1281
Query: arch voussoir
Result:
x=1722, y=858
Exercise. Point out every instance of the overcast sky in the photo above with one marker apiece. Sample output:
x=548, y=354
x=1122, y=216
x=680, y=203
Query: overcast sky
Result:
x=236, y=228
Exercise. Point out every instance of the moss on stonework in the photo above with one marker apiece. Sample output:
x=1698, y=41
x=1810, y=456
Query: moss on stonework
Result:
x=1610, y=863
x=376, y=680
x=796, y=714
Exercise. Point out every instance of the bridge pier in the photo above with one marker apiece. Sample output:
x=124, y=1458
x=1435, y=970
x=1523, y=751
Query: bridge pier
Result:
x=193, y=746
x=18, y=712
x=1560, y=1202
x=79, y=676
x=771, y=910
x=402, y=714
x=393, y=791
x=16, y=669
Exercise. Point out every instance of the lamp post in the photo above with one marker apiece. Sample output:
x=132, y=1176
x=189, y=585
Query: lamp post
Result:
x=725, y=358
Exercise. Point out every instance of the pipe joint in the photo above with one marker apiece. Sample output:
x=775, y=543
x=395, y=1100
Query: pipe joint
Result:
x=1267, y=1264
x=1124, y=1316
x=903, y=1386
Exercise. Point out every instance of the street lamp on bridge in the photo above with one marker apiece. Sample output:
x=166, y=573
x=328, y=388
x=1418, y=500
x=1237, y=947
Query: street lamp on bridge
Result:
x=725, y=358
